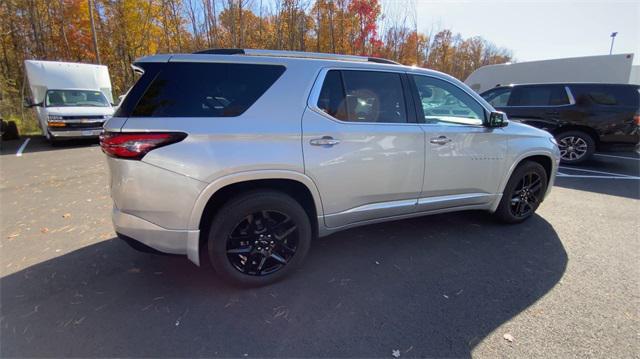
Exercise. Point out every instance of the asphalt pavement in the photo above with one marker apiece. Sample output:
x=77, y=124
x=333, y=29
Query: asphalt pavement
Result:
x=563, y=284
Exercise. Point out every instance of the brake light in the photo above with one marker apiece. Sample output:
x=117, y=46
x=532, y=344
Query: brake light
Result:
x=134, y=146
x=636, y=119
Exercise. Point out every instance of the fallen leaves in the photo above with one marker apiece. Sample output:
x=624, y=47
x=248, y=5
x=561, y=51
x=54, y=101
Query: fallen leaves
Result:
x=66, y=215
x=44, y=230
x=508, y=337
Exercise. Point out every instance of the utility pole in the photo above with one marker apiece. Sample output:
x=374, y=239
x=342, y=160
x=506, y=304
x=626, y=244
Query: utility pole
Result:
x=93, y=32
x=613, y=38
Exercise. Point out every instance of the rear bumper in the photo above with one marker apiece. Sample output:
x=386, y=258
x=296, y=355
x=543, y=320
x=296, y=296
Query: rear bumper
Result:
x=183, y=242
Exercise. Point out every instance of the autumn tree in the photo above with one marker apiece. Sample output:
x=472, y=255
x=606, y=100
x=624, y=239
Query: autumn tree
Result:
x=60, y=30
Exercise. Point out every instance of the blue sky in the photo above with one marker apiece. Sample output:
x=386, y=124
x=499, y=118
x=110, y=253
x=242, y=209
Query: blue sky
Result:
x=542, y=29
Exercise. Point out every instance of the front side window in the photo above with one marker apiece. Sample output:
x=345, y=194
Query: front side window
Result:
x=75, y=98
x=498, y=97
x=554, y=95
x=184, y=89
x=363, y=96
x=445, y=103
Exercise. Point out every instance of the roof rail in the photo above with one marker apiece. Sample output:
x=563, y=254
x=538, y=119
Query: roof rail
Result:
x=298, y=54
x=221, y=52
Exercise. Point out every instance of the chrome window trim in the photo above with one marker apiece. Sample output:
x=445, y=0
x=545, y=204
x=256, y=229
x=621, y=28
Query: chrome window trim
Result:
x=314, y=95
x=572, y=100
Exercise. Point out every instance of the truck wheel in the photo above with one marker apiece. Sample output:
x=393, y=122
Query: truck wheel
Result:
x=523, y=193
x=11, y=132
x=258, y=238
x=575, y=147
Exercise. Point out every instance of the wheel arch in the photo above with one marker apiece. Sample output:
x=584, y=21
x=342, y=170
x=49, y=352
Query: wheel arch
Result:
x=545, y=159
x=586, y=129
x=213, y=197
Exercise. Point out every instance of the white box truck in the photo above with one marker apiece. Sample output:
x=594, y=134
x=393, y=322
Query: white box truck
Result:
x=71, y=100
x=613, y=69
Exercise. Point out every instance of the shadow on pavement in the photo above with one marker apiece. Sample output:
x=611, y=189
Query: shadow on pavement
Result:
x=40, y=144
x=433, y=286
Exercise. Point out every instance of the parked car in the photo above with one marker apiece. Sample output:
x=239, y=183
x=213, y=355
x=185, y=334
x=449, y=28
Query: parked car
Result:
x=241, y=157
x=581, y=116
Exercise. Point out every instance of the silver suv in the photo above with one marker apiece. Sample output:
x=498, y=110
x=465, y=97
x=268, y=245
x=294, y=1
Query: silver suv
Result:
x=241, y=157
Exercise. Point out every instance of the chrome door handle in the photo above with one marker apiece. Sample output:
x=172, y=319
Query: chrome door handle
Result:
x=327, y=141
x=442, y=140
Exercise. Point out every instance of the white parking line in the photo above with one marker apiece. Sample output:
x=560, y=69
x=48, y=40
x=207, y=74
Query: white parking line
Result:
x=560, y=174
x=24, y=145
x=612, y=156
x=593, y=171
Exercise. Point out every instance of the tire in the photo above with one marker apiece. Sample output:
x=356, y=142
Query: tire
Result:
x=514, y=199
x=11, y=131
x=575, y=147
x=259, y=238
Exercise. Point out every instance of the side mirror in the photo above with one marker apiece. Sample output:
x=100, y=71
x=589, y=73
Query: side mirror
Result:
x=497, y=119
x=28, y=103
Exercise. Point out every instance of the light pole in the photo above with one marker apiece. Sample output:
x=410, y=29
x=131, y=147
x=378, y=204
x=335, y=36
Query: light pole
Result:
x=93, y=31
x=613, y=38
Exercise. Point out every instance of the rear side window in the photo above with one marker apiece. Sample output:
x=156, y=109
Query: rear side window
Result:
x=332, y=97
x=539, y=96
x=374, y=96
x=184, y=89
x=607, y=95
x=363, y=96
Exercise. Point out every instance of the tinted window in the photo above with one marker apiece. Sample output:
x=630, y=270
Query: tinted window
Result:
x=538, y=96
x=373, y=96
x=332, y=97
x=205, y=89
x=498, y=97
x=443, y=102
x=606, y=95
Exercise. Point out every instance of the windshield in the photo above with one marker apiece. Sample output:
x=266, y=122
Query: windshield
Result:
x=82, y=98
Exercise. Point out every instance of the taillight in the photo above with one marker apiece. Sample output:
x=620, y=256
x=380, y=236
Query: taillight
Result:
x=636, y=119
x=134, y=146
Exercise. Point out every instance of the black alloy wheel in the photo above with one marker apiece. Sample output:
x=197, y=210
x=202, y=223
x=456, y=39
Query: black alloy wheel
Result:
x=523, y=193
x=258, y=238
x=262, y=243
x=525, y=198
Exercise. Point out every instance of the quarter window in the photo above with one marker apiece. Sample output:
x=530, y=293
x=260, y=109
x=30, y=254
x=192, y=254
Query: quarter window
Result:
x=206, y=89
x=445, y=103
x=539, y=96
x=363, y=96
x=607, y=95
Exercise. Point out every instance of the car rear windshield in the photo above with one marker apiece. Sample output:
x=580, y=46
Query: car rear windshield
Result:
x=182, y=89
x=607, y=95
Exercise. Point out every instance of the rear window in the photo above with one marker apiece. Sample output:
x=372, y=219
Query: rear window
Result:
x=182, y=89
x=607, y=95
x=538, y=96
